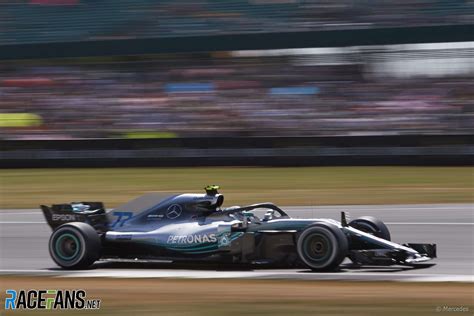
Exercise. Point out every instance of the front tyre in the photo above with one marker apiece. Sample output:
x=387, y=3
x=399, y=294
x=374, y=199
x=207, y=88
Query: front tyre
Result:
x=74, y=245
x=322, y=247
x=371, y=225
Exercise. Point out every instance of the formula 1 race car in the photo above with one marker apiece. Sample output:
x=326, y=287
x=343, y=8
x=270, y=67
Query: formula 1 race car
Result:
x=194, y=227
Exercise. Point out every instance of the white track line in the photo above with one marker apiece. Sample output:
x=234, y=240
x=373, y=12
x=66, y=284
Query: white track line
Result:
x=22, y=213
x=379, y=207
x=426, y=223
x=279, y=274
x=22, y=223
x=388, y=223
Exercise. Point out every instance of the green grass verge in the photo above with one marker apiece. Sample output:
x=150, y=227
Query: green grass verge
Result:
x=27, y=188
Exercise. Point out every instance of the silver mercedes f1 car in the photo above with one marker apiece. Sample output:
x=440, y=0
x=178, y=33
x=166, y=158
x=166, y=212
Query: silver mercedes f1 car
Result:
x=195, y=227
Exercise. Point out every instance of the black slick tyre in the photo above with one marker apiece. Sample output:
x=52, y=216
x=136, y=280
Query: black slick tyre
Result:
x=371, y=225
x=75, y=245
x=322, y=247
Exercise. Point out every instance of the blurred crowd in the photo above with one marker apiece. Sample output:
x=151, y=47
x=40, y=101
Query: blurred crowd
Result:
x=222, y=94
x=31, y=21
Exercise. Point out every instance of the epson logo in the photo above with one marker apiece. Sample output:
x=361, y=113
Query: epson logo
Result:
x=191, y=239
x=64, y=217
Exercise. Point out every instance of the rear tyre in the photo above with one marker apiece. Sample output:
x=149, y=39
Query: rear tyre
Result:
x=371, y=225
x=75, y=245
x=322, y=247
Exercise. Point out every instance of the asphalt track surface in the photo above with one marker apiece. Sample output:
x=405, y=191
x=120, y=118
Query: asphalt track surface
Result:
x=24, y=247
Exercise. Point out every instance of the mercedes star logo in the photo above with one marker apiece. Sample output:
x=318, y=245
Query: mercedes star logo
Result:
x=174, y=211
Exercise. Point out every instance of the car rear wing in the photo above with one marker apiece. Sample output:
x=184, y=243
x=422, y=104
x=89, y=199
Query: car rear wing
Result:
x=92, y=213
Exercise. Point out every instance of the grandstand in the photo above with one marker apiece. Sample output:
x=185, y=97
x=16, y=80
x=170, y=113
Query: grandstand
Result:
x=301, y=92
x=199, y=89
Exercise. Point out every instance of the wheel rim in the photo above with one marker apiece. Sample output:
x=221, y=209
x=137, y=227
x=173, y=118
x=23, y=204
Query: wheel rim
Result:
x=67, y=246
x=317, y=248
